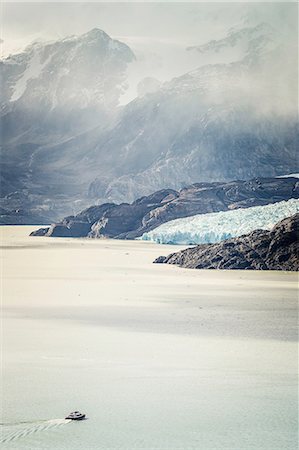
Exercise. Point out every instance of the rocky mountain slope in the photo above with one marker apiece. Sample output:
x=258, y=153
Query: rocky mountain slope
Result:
x=58, y=80
x=63, y=151
x=220, y=122
x=260, y=250
x=128, y=221
x=51, y=94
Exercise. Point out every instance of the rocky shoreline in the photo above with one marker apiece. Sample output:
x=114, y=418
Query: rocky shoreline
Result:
x=277, y=249
x=128, y=221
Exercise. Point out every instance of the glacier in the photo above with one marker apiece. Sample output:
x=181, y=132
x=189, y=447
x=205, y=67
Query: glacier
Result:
x=215, y=227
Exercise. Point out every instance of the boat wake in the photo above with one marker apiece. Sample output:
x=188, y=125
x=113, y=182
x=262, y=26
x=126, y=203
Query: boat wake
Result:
x=36, y=427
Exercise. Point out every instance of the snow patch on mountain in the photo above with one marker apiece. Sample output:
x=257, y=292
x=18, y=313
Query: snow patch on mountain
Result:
x=290, y=175
x=74, y=72
x=32, y=71
x=215, y=227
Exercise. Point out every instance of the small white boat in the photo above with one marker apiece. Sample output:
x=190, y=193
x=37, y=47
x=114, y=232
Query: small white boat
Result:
x=76, y=415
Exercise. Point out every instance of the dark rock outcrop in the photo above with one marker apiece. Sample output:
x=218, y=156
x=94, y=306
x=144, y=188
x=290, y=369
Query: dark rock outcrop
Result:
x=277, y=249
x=40, y=232
x=108, y=220
x=128, y=221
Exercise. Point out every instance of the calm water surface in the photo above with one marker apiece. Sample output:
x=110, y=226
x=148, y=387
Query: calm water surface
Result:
x=156, y=356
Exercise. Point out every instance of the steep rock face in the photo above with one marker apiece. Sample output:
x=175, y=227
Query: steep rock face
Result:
x=53, y=93
x=58, y=80
x=128, y=221
x=260, y=250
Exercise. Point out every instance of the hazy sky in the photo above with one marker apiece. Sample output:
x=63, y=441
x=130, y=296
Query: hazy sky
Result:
x=158, y=33
x=135, y=23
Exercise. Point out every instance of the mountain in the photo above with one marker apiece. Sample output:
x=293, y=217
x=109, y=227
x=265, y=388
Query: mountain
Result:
x=220, y=122
x=211, y=124
x=216, y=123
x=128, y=221
x=51, y=93
x=58, y=80
x=240, y=43
x=260, y=250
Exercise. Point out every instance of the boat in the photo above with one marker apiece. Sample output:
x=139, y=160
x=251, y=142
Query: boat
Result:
x=76, y=415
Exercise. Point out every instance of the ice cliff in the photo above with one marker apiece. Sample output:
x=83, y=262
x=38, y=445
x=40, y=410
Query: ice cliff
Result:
x=215, y=227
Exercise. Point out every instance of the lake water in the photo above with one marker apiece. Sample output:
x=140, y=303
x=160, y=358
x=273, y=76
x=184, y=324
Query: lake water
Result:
x=157, y=357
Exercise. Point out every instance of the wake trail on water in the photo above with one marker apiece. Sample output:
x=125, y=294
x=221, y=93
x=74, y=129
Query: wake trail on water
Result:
x=36, y=427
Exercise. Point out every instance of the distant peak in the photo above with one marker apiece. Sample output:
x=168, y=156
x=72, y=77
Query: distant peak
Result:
x=96, y=33
x=93, y=35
